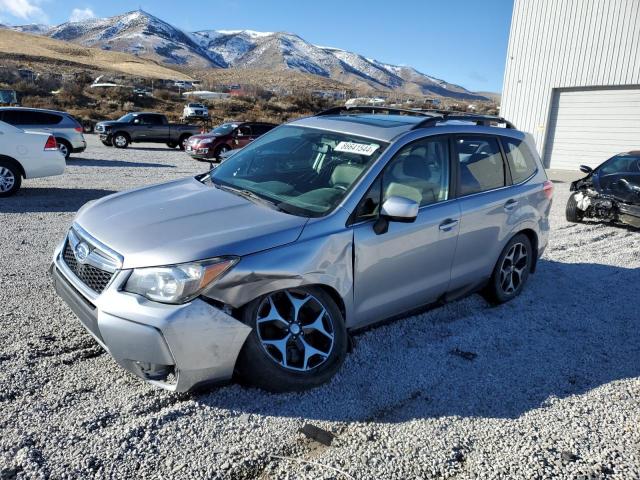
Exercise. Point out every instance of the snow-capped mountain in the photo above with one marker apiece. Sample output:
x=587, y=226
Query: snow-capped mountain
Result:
x=142, y=34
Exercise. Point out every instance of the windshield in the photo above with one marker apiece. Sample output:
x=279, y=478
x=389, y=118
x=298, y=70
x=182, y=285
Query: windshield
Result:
x=127, y=118
x=225, y=128
x=301, y=170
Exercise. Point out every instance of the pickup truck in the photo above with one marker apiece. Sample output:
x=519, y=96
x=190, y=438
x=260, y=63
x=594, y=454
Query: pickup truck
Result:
x=144, y=127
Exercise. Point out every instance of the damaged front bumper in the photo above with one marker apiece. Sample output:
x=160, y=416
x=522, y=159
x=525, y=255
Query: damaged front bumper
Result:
x=175, y=347
x=605, y=207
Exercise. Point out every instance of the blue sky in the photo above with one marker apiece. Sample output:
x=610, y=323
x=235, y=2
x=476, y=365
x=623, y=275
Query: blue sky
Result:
x=461, y=41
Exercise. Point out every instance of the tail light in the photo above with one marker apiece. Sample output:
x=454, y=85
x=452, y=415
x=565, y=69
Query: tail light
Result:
x=78, y=129
x=548, y=189
x=51, y=143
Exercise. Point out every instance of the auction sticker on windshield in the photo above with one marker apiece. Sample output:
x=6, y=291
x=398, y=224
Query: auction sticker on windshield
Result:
x=358, y=148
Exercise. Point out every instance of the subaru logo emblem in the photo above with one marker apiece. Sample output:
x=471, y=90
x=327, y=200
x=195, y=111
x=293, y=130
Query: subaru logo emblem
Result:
x=81, y=252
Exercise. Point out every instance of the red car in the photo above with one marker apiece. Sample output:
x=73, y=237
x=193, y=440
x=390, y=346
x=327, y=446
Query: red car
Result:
x=225, y=137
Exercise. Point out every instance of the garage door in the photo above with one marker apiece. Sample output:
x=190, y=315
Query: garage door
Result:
x=588, y=126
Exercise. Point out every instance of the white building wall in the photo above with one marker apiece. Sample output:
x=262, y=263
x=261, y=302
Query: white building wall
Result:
x=557, y=44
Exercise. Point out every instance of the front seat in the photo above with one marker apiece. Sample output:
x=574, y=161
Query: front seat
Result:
x=414, y=172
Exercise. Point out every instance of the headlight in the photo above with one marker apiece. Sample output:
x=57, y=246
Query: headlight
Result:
x=205, y=141
x=177, y=283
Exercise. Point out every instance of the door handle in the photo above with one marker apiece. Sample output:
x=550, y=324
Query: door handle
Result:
x=510, y=205
x=448, y=224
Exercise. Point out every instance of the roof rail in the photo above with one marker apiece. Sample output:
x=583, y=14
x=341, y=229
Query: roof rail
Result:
x=372, y=109
x=483, y=120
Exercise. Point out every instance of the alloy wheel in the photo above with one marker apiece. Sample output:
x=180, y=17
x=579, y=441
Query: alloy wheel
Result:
x=513, y=267
x=7, y=179
x=295, y=330
x=63, y=149
x=120, y=141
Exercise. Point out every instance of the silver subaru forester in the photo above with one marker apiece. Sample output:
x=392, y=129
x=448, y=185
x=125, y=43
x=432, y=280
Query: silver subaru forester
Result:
x=263, y=266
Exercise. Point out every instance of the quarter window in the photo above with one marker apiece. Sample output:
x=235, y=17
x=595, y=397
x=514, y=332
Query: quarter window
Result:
x=481, y=165
x=521, y=161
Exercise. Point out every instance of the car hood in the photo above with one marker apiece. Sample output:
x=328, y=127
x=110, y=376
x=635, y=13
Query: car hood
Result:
x=183, y=221
x=110, y=123
x=195, y=138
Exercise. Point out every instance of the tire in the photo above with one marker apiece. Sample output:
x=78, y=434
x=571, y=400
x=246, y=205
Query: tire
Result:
x=107, y=143
x=120, y=140
x=172, y=144
x=572, y=212
x=64, y=147
x=506, y=283
x=220, y=150
x=183, y=142
x=10, y=179
x=260, y=363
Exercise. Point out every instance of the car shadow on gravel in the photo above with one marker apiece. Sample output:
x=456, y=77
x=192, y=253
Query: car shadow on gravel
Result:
x=90, y=162
x=574, y=328
x=39, y=199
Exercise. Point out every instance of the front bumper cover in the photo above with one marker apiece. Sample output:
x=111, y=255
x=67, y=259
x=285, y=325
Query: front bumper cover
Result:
x=175, y=347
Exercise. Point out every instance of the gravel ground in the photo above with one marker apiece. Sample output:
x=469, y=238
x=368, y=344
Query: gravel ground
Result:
x=549, y=387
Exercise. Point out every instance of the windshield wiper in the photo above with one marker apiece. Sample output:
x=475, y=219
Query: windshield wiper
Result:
x=249, y=194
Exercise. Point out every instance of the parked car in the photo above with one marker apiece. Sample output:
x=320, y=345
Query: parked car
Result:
x=228, y=136
x=144, y=127
x=263, y=265
x=66, y=129
x=195, y=110
x=26, y=155
x=610, y=192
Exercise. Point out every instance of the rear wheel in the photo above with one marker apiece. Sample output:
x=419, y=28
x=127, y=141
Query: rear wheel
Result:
x=573, y=213
x=511, y=271
x=64, y=147
x=298, y=340
x=120, y=140
x=10, y=179
x=172, y=144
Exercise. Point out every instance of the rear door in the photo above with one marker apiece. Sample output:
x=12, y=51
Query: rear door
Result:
x=486, y=206
x=410, y=264
x=154, y=129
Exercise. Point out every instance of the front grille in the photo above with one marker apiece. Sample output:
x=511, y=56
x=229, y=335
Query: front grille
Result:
x=94, y=278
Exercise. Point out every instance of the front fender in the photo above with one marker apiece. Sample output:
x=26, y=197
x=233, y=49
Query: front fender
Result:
x=324, y=260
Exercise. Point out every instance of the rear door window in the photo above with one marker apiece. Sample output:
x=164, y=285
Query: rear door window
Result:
x=481, y=166
x=521, y=161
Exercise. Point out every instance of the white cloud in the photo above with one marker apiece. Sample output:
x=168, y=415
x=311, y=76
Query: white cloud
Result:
x=79, y=14
x=24, y=9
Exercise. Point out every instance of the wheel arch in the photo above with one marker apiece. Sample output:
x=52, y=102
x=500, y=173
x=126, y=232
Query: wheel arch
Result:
x=121, y=132
x=16, y=163
x=533, y=238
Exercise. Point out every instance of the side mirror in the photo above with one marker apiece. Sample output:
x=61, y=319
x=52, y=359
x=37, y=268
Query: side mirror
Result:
x=586, y=169
x=396, y=209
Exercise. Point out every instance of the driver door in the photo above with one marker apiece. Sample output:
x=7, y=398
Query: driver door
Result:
x=410, y=265
x=242, y=136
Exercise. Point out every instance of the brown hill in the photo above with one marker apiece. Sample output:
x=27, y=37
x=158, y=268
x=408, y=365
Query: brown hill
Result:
x=47, y=52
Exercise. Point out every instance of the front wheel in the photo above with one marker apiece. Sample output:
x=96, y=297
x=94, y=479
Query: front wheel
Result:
x=220, y=151
x=572, y=212
x=120, y=140
x=298, y=341
x=183, y=142
x=511, y=271
x=172, y=144
x=10, y=179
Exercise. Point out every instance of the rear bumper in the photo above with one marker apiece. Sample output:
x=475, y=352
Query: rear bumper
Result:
x=79, y=149
x=175, y=347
